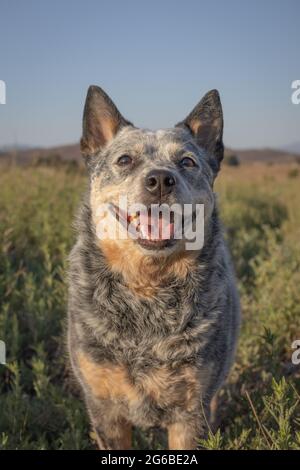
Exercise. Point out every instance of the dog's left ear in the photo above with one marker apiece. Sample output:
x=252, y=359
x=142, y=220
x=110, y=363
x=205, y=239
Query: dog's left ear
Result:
x=205, y=123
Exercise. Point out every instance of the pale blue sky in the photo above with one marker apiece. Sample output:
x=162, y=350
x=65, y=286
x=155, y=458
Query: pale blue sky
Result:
x=155, y=59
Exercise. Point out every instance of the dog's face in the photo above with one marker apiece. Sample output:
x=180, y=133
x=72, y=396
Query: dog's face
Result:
x=151, y=170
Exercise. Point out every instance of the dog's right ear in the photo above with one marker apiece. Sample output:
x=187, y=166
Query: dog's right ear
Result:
x=101, y=121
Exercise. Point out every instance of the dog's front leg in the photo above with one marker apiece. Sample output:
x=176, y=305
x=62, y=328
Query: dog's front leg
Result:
x=181, y=436
x=185, y=432
x=115, y=437
x=113, y=431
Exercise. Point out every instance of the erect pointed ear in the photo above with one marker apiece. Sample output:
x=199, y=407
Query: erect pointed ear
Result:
x=101, y=121
x=206, y=125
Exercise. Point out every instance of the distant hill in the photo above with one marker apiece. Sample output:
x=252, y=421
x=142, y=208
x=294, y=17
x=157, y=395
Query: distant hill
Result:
x=71, y=153
x=266, y=155
x=66, y=153
x=293, y=148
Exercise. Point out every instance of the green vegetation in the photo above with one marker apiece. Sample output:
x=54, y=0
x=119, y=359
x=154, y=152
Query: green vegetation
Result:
x=40, y=407
x=293, y=173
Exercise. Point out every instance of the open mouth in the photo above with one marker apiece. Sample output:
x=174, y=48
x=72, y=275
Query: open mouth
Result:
x=151, y=229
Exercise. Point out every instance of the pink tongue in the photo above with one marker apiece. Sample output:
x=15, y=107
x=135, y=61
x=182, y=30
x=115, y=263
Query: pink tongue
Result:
x=154, y=229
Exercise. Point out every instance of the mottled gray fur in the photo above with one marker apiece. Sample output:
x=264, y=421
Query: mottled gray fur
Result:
x=190, y=324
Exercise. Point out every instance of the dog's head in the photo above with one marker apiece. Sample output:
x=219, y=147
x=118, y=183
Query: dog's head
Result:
x=151, y=170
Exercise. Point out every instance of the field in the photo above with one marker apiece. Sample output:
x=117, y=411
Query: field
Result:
x=40, y=407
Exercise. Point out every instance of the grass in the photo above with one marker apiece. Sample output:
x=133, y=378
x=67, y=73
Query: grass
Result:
x=41, y=408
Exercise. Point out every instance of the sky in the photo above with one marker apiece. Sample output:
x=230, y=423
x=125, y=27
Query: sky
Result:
x=155, y=59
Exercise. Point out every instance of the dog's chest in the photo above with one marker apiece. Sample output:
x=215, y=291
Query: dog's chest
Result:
x=137, y=317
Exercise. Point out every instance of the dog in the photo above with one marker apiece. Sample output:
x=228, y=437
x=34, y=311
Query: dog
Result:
x=152, y=326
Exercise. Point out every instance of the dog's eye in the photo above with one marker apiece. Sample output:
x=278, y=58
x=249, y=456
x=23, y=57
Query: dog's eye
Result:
x=187, y=162
x=124, y=160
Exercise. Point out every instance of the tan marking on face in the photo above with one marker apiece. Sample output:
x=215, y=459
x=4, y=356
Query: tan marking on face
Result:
x=100, y=196
x=100, y=199
x=180, y=437
x=139, y=147
x=172, y=148
x=106, y=380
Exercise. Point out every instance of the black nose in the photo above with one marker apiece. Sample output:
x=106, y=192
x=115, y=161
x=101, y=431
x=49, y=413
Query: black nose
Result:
x=160, y=182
